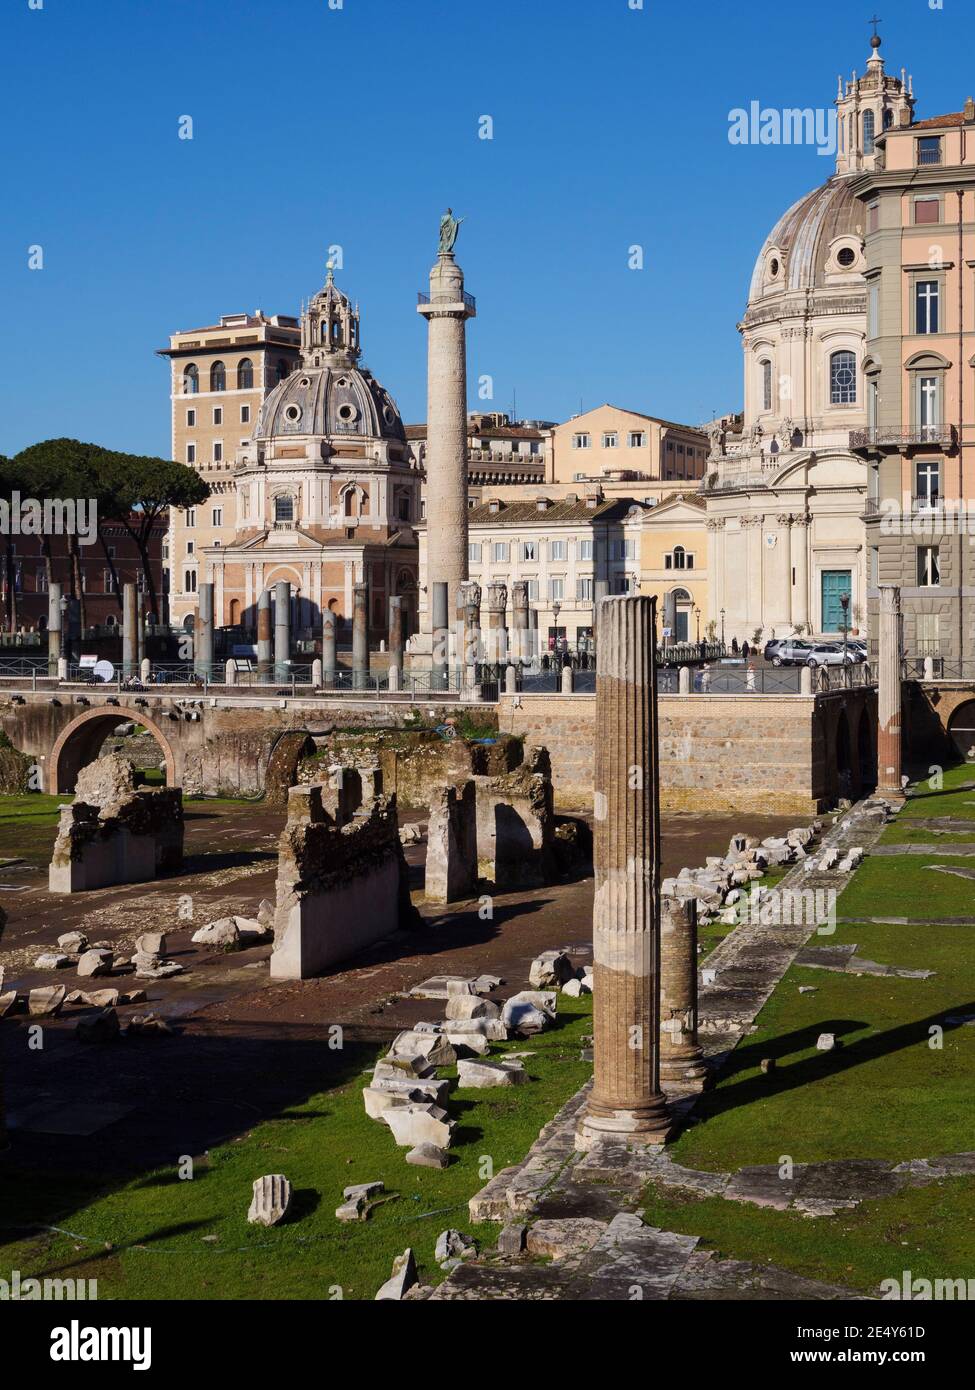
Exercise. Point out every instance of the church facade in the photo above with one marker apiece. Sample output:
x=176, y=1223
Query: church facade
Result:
x=786, y=495
x=326, y=490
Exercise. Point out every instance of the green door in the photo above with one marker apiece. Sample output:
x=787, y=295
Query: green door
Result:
x=835, y=583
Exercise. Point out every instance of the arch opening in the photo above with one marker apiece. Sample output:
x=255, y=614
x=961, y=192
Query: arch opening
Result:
x=84, y=738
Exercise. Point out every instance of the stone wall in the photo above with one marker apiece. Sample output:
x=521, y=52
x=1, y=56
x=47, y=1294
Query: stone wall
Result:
x=128, y=840
x=340, y=887
x=717, y=752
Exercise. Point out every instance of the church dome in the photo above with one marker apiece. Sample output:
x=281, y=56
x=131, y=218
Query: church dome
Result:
x=817, y=240
x=330, y=400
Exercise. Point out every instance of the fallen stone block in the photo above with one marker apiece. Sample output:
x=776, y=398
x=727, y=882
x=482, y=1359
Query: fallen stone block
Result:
x=149, y=1024
x=400, y=1067
x=511, y=1241
x=522, y=1016
x=152, y=943
x=153, y=968
x=475, y=1073
x=100, y=998
x=7, y=1002
x=133, y=996
x=452, y=1247
x=74, y=942
x=383, y=1094
x=402, y=1279
x=487, y=984
x=427, y=1156
x=103, y=1028
x=440, y=986
x=222, y=933
x=433, y=1046
x=573, y=988
x=45, y=1001
x=271, y=1201
x=469, y=1043
x=470, y=1006
x=414, y=1124
x=826, y=1042
x=550, y=968
x=52, y=960
x=95, y=962
x=357, y=1201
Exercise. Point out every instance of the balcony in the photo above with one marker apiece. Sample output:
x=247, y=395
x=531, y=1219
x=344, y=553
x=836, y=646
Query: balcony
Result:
x=941, y=436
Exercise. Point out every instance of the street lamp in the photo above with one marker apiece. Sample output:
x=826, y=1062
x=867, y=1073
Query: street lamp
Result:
x=722, y=627
x=697, y=619
x=845, y=626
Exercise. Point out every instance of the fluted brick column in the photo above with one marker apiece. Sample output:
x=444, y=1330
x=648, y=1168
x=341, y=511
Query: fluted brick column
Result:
x=626, y=1101
x=889, y=693
x=681, y=1056
x=265, y=645
x=360, y=636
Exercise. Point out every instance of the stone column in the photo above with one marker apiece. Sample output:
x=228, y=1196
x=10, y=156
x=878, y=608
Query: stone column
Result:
x=53, y=629
x=889, y=693
x=264, y=650
x=519, y=620
x=203, y=635
x=130, y=620
x=799, y=545
x=360, y=636
x=282, y=629
x=626, y=1101
x=329, y=658
x=497, y=631
x=74, y=631
x=567, y=681
x=440, y=660
x=784, y=586
x=396, y=637
x=140, y=626
x=681, y=1055
x=446, y=312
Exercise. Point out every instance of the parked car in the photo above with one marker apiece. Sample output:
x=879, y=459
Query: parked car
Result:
x=830, y=654
x=791, y=652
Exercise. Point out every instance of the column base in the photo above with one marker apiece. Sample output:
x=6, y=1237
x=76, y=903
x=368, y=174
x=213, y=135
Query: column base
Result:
x=689, y=1073
x=649, y=1124
x=891, y=794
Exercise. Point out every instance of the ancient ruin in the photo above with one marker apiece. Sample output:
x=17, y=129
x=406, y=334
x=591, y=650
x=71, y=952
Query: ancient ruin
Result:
x=342, y=884
x=114, y=832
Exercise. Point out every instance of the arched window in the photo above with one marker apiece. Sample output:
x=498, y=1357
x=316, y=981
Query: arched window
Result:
x=766, y=385
x=325, y=331
x=282, y=369
x=284, y=508
x=351, y=502
x=218, y=377
x=245, y=374
x=843, y=378
x=189, y=582
x=888, y=118
x=679, y=557
x=191, y=380
x=868, y=132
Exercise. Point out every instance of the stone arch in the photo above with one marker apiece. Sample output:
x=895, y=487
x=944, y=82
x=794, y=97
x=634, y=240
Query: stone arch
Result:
x=79, y=742
x=282, y=765
x=866, y=750
x=844, y=756
x=961, y=729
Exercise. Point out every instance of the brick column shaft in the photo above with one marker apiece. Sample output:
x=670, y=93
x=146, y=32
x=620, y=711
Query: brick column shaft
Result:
x=681, y=1055
x=626, y=1100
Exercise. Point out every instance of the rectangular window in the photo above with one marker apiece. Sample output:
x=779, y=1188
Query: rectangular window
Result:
x=474, y=553
x=928, y=634
x=245, y=414
x=928, y=405
x=928, y=572
x=610, y=440
x=585, y=550
x=529, y=550
x=216, y=516
x=560, y=550
x=929, y=149
x=556, y=589
x=926, y=306
x=873, y=310
x=218, y=451
x=532, y=588
x=927, y=483
x=622, y=550
x=926, y=210
x=190, y=419
x=190, y=517
x=636, y=439
x=584, y=590
x=501, y=551
x=580, y=441
x=191, y=453
x=191, y=547
x=218, y=414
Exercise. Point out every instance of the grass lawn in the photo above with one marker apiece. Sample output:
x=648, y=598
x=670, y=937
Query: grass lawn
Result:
x=891, y=886
x=928, y=1230
x=27, y=826
x=153, y=1237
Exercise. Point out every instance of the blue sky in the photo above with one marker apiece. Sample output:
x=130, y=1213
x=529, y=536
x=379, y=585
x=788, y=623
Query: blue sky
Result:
x=357, y=126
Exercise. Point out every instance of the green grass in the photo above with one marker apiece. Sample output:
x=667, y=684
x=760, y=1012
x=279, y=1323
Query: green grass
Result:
x=27, y=825
x=930, y=1231
x=145, y=1239
x=891, y=886
x=949, y=800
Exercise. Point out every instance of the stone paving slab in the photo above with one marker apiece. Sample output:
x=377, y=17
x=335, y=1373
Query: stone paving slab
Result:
x=960, y=849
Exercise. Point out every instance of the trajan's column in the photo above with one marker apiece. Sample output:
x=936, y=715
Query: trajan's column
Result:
x=446, y=312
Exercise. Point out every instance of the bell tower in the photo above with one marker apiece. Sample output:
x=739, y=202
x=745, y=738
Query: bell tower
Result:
x=866, y=107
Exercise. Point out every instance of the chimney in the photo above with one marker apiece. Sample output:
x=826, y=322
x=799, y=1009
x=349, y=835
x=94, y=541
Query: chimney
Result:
x=969, y=109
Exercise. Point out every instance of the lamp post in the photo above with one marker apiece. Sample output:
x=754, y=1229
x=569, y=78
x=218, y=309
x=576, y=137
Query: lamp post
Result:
x=845, y=626
x=722, y=629
x=556, y=610
x=697, y=620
